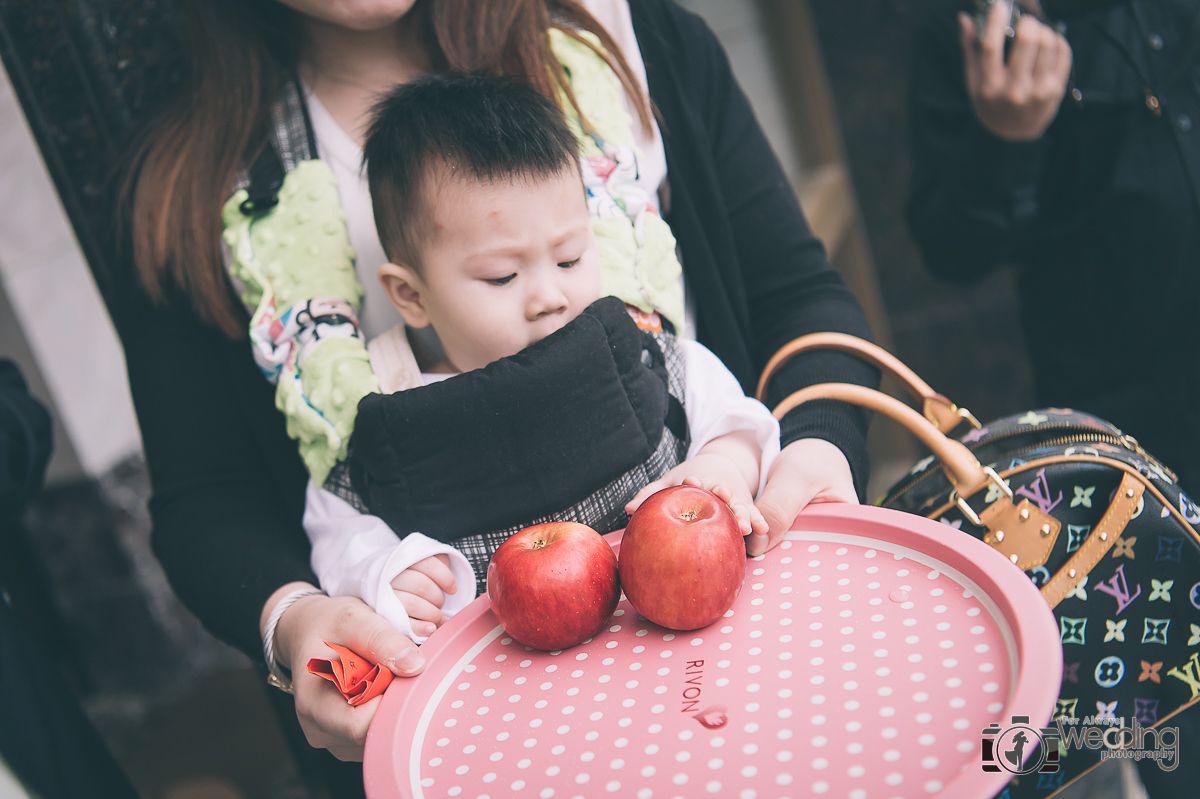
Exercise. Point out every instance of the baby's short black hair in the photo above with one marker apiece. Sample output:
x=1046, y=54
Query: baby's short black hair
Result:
x=469, y=124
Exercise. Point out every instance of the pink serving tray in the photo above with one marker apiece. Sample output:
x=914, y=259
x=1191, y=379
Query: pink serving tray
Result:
x=863, y=658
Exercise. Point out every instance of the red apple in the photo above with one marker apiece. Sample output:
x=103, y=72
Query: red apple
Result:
x=683, y=558
x=553, y=585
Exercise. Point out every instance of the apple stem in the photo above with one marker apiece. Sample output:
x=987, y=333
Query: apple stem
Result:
x=689, y=515
x=538, y=544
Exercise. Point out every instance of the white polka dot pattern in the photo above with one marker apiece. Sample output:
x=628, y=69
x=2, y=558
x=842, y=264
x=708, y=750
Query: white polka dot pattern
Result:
x=845, y=668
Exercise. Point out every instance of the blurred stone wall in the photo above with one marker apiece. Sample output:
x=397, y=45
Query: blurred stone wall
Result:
x=86, y=72
x=81, y=75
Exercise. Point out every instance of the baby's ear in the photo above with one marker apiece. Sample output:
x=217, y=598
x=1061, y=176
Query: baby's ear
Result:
x=403, y=287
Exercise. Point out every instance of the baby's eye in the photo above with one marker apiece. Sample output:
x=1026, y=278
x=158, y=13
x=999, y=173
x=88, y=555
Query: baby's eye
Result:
x=568, y=264
x=502, y=281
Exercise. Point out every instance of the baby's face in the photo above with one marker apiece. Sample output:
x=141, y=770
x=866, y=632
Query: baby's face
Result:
x=510, y=262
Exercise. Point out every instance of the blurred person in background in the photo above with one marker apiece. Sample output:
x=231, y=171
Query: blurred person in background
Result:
x=1070, y=150
x=48, y=747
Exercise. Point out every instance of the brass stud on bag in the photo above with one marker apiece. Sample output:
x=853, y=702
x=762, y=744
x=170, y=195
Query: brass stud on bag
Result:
x=1104, y=536
x=1013, y=557
x=1129, y=492
x=999, y=535
x=1024, y=514
x=1045, y=529
x=1070, y=572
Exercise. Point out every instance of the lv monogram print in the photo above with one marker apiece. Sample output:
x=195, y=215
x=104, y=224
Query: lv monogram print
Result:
x=1130, y=628
x=1116, y=630
x=1189, y=673
x=1075, y=535
x=1145, y=710
x=1155, y=630
x=1074, y=631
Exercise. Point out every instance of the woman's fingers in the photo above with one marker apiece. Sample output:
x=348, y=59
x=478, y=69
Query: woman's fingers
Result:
x=785, y=495
x=745, y=519
x=366, y=632
x=758, y=522
x=808, y=470
x=968, y=40
x=1024, y=55
x=1046, y=59
x=1053, y=66
x=1063, y=61
x=328, y=721
x=1015, y=98
x=992, y=72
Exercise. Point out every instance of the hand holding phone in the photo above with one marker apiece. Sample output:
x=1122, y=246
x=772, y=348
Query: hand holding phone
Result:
x=1015, y=98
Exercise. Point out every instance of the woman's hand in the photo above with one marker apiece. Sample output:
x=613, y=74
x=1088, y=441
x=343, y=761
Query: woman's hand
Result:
x=1018, y=99
x=808, y=470
x=326, y=718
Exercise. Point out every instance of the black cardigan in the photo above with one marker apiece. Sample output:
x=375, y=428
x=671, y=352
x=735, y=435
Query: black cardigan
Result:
x=228, y=482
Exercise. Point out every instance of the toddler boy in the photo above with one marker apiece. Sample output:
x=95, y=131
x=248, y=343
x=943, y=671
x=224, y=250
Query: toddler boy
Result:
x=549, y=403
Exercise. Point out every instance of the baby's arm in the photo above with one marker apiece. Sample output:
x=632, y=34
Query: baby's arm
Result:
x=355, y=554
x=734, y=438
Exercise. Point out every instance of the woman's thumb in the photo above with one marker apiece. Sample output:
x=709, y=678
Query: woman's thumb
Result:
x=372, y=637
x=780, y=506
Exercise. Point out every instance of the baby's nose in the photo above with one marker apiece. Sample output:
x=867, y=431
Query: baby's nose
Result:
x=547, y=299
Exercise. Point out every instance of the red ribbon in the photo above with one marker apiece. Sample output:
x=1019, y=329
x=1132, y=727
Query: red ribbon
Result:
x=357, y=678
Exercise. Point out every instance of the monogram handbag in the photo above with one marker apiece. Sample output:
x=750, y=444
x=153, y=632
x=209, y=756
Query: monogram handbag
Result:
x=1095, y=521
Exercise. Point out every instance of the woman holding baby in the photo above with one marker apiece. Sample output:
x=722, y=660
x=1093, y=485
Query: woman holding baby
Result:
x=276, y=84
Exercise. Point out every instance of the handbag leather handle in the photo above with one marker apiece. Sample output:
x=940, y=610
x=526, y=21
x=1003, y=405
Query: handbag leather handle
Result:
x=1020, y=531
x=961, y=466
x=941, y=412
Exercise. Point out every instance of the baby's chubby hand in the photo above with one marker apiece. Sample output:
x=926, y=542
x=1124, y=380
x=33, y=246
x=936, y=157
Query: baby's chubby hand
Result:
x=719, y=475
x=422, y=589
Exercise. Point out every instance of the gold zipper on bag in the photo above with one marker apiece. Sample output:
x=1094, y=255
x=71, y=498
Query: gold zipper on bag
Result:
x=1125, y=441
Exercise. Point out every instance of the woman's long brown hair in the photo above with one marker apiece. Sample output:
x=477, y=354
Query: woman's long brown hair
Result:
x=242, y=53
